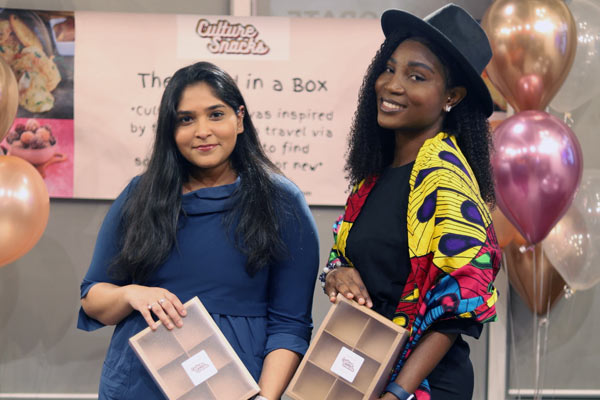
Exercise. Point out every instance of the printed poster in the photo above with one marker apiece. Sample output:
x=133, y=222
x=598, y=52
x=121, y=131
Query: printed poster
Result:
x=300, y=79
x=87, y=113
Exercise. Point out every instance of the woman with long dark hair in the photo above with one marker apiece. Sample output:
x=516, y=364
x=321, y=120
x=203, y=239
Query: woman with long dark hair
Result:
x=416, y=241
x=210, y=217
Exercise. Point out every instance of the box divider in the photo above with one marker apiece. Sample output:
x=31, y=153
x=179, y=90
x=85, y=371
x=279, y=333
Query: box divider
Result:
x=337, y=378
x=364, y=331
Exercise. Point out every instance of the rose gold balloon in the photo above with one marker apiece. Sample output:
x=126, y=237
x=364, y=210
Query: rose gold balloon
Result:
x=530, y=90
x=24, y=208
x=533, y=42
x=9, y=98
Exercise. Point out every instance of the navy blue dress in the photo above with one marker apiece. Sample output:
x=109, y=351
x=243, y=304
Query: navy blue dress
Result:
x=257, y=315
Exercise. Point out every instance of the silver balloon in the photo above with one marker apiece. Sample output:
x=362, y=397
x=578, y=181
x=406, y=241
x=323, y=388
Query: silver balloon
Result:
x=572, y=245
x=583, y=82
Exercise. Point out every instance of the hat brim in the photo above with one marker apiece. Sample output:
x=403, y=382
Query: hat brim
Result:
x=410, y=25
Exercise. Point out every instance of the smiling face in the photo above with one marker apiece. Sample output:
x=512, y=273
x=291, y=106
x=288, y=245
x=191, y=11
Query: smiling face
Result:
x=411, y=91
x=206, y=133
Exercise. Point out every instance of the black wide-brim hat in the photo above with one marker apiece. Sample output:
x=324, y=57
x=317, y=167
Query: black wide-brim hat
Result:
x=458, y=34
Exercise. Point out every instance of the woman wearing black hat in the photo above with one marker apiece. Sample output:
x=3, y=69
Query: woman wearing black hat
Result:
x=416, y=237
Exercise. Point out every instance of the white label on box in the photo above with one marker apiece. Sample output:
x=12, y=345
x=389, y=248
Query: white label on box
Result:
x=199, y=367
x=347, y=364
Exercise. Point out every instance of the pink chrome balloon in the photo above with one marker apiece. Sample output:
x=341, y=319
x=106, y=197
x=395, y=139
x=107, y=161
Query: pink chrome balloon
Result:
x=537, y=168
x=534, y=43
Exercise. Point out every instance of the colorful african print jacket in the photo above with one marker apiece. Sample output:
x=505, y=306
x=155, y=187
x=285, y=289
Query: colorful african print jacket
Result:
x=453, y=250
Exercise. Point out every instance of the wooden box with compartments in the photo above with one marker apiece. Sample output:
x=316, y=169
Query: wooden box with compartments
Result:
x=350, y=357
x=194, y=361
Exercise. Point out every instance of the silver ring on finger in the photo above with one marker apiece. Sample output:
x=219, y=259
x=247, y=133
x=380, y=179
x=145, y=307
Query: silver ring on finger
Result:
x=161, y=301
x=151, y=305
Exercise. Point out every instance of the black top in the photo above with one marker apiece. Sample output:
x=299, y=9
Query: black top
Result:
x=378, y=241
x=377, y=245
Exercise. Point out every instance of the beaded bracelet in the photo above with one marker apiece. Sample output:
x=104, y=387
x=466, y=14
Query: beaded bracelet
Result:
x=333, y=264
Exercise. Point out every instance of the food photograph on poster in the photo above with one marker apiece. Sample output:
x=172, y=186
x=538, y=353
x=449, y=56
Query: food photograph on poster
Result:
x=39, y=47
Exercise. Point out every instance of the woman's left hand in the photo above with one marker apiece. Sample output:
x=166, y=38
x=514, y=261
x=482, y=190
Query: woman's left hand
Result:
x=158, y=301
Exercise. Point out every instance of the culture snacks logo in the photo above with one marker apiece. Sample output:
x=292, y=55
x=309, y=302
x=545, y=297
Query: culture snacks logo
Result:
x=348, y=364
x=201, y=366
x=228, y=38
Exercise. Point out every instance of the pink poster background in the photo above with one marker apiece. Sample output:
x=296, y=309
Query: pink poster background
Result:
x=302, y=94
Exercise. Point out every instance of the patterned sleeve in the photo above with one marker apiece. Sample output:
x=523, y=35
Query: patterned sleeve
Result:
x=335, y=257
x=467, y=250
x=342, y=225
x=453, y=239
x=452, y=245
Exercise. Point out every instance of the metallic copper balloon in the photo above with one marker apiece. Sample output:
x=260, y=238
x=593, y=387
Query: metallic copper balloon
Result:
x=546, y=283
x=24, y=208
x=519, y=240
x=537, y=166
x=505, y=231
x=533, y=44
x=9, y=98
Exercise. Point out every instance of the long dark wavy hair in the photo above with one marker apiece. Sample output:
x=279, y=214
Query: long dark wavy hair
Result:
x=371, y=147
x=152, y=210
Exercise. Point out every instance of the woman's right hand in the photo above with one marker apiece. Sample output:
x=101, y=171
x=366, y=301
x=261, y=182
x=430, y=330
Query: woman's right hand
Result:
x=347, y=281
x=162, y=303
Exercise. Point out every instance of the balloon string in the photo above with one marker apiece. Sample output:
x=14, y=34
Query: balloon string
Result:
x=514, y=364
x=536, y=349
x=546, y=326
